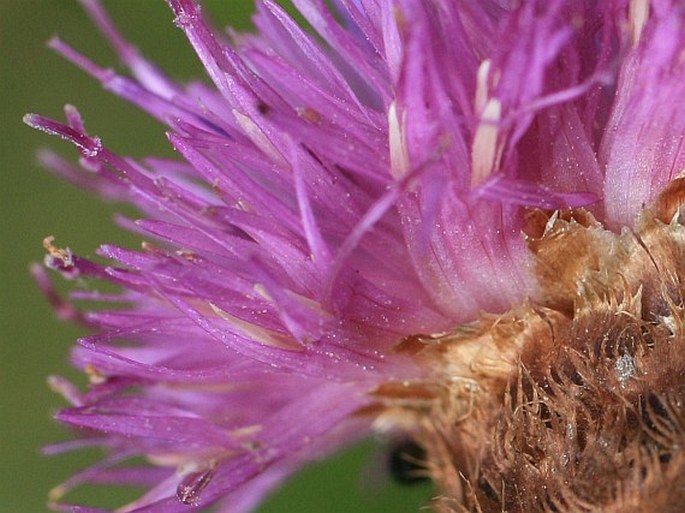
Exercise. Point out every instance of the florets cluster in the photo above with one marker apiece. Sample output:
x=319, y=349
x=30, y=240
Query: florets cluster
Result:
x=347, y=203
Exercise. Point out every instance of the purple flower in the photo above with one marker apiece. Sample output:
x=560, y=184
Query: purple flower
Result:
x=346, y=204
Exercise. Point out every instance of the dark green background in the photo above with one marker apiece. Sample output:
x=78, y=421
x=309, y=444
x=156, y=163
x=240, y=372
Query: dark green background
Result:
x=33, y=204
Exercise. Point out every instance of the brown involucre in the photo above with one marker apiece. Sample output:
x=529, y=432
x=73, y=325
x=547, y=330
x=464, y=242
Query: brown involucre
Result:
x=574, y=401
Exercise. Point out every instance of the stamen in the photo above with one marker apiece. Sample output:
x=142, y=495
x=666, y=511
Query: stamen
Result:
x=638, y=14
x=399, y=157
x=258, y=137
x=192, y=485
x=94, y=375
x=258, y=334
x=484, y=154
x=55, y=254
x=482, y=85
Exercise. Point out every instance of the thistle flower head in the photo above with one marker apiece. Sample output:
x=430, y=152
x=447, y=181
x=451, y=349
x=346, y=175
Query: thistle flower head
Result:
x=346, y=204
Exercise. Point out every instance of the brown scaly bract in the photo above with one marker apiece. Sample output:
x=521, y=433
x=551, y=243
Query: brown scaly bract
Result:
x=575, y=401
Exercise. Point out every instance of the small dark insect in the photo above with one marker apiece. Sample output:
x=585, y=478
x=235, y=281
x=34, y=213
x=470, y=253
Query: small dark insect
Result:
x=406, y=463
x=263, y=108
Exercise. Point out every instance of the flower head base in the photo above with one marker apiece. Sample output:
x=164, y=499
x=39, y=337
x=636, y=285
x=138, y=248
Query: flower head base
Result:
x=346, y=207
x=575, y=402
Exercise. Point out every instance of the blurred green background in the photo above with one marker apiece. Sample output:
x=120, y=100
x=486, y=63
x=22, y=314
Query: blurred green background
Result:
x=33, y=342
